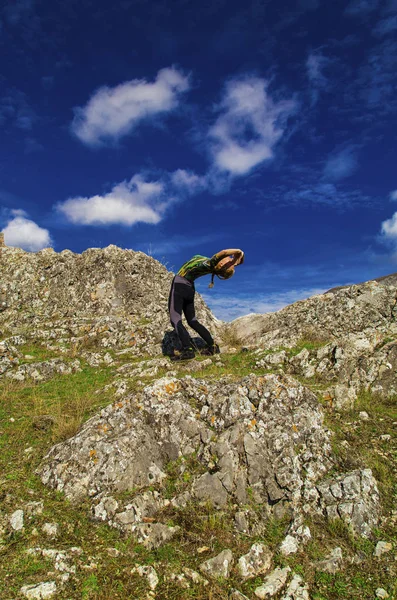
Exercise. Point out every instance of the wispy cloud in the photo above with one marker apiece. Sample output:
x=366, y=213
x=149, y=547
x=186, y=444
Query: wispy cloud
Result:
x=324, y=193
x=22, y=232
x=316, y=64
x=375, y=84
x=393, y=195
x=385, y=26
x=249, y=126
x=341, y=164
x=112, y=113
x=16, y=111
x=361, y=7
x=228, y=308
x=129, y=202
x=189, y=182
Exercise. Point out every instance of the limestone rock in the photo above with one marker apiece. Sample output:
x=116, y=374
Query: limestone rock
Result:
x=39, y=591
x=153, y=535
x=261, y=435
x=218, y=566
x=297, y=589
x=258, y=560
x=382, y=548
x=149, y=573
x=289, y=545
x=194, y=576
x=61, y=559
x=42, y=371
x=354, y=498
x=273, y=583
x=381, y=593
x=51, y=529
x=353, y=309
x=236, y=595
x=16, y=520
x=34, y=508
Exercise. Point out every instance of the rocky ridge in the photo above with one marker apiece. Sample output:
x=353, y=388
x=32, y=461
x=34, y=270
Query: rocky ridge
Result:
x=353, y=332
x=111, y=298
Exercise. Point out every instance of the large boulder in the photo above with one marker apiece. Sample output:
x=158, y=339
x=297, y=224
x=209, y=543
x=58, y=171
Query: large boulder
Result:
x=259, y=440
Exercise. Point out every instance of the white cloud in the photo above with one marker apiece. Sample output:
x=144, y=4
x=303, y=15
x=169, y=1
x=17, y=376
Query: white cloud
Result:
x=188, y=181
x=112, y=113
x=393, y=195
x=389, y=228
x=21, y=232
x=389, y=232
x=249, y=126
x=341, y=165
x=228, y=308
x=129, y=202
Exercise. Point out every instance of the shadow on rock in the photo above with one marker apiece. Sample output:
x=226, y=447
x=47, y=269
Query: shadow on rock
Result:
x=171, y=342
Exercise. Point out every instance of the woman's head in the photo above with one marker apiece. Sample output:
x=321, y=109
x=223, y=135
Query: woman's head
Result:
x=225, y=268
x=225, y=273
x=223, y=264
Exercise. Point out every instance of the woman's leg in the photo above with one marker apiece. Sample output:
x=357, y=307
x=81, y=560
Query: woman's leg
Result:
x=190, y=315
x=176, y=302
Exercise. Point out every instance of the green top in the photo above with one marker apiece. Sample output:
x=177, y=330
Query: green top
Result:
x=198, y=266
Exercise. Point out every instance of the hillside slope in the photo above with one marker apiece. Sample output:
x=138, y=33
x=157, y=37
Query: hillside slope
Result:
x=266, y=471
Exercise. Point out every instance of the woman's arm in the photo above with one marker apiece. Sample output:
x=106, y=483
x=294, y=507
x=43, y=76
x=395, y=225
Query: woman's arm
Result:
x=236, y=257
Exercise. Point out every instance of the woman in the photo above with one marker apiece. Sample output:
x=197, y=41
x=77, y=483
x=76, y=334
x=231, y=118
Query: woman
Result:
x=182, y=293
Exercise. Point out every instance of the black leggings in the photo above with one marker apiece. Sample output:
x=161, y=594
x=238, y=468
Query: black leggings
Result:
x=182, y=300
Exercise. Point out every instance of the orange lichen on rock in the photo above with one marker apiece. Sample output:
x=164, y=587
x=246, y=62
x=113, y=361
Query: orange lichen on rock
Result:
x=172, y=387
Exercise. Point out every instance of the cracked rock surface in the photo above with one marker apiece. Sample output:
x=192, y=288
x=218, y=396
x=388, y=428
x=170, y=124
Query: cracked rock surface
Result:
x=261, y=437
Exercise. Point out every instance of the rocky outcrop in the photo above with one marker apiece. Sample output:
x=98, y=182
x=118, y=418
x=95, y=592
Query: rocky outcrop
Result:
x=259, y=440
x=103, y=297
x=358, y=308
x=356, y=362
x=353, y=333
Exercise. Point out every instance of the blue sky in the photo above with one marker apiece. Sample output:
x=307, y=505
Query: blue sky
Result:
x=181, y=128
